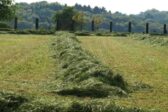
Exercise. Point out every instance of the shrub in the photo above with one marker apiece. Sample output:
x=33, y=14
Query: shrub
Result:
x=41, y=32
x=4, y=25
x=120, y=34
x=103, y=33
x=82, y=33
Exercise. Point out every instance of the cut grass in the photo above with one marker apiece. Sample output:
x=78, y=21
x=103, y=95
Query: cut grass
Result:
x=28, y=80
x=25, y=63
x=156, y=40
x=89, y=78
x=139, y=62
x=26, y=70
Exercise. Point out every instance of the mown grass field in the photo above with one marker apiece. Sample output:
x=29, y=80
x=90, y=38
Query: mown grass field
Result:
x=139, y=62
x=28, y=78
x=27, y=68
x=25, y=64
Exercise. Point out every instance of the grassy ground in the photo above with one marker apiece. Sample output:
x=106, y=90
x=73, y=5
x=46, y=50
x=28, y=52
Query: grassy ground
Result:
x=140, y=62
x=26, y=66
x=28, y=69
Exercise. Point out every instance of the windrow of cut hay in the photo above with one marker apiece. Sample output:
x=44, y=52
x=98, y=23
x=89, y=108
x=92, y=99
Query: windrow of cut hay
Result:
x=160, y=40
x=81, y=73
x=10, y=102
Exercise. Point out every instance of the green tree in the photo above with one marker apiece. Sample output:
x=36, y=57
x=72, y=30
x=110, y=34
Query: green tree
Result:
x=79, y=18
x=64, y=18
x=98, y=20
x=7, y=10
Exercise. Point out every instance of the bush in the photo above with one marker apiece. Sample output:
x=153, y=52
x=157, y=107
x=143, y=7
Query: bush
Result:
x=103, y=33
x=4, y=25
x=120, y=34
x=41, y=32
x=5, y=29
x=82, y=33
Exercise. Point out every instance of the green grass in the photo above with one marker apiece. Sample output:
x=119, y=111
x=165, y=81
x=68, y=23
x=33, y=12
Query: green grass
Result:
x=156, y=40
x=25, y=63
x=29, y=76
x=87, y=76
x=27, y=69
x=140, y=63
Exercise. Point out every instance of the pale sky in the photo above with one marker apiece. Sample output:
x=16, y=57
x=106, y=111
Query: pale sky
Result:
x=124, y=6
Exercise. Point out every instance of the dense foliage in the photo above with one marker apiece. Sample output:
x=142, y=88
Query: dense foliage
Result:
x=46, y=11
x=6, y=9
x=64, y=19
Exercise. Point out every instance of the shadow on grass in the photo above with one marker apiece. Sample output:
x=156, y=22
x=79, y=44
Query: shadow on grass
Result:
x=10, y=103
x=93, y=93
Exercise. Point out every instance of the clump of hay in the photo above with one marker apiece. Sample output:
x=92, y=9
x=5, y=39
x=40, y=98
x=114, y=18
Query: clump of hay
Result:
x=81, y=73
x=10, y=102
x=160, y=40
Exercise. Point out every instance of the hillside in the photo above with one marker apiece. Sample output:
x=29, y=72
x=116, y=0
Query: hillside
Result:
x=45, y=11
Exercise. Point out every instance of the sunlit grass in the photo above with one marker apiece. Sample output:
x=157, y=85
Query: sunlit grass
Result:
x=26, y=65
x=139, y=62
x=27, y=68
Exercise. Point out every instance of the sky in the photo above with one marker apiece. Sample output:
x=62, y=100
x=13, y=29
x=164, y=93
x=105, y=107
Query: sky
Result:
x=124, y=6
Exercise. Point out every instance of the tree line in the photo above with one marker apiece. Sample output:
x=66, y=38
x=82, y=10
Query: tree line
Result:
x=46, y=12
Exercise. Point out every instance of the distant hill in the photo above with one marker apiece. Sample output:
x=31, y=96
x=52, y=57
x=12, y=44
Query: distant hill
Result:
x=45, y=11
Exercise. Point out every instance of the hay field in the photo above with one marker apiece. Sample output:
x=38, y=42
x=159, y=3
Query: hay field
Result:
x=31, y=74
x=25, y=63
x=140, y=63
